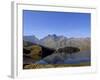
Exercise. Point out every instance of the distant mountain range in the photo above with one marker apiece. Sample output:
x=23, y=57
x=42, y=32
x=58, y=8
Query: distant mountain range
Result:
x=54, y=41
x=32, y=39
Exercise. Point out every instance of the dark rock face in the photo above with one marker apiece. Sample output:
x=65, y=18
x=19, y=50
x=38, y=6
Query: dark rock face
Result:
x=35, y=52
x=26, y=51
x=47, y=51
x=68, y=50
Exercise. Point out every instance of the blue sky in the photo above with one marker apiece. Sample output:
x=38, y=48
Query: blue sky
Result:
x=42, y=23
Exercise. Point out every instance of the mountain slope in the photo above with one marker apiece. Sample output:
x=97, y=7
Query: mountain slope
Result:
x=32, y=39
x=54, y=41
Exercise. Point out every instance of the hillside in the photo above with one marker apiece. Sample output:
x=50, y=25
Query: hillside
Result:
x=54, y=41
x=56, y=51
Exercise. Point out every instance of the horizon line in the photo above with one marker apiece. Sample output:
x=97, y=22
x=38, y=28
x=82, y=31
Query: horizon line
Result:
x=61, y=35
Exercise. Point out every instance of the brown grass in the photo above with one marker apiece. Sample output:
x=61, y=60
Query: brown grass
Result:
x=37, y=66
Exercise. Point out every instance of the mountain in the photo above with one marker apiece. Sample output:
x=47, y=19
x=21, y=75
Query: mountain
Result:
x=28, y=47
x=26, y=43
x=32, y=39
x=54, y=49
x=54, y=41
x=33, y=52
x=82, y=43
